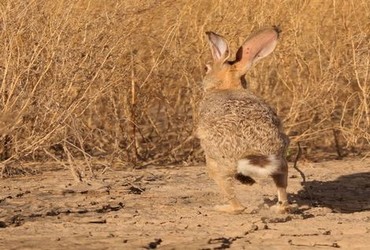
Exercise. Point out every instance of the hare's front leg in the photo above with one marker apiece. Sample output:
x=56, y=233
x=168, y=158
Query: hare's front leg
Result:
x=224, y=182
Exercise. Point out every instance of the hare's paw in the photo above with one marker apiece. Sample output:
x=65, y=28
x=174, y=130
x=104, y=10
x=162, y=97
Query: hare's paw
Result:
x=229, y=209
x=283, y=208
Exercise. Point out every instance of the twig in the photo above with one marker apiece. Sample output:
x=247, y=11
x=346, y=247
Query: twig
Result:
x=303, y=176
x=299, y=153
x=133, y=111
x=337, y=145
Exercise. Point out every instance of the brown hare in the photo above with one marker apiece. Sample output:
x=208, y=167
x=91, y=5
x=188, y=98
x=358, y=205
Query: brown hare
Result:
x=240, y=134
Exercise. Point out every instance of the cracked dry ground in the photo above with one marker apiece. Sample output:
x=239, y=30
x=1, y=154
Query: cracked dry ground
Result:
x=171, y=208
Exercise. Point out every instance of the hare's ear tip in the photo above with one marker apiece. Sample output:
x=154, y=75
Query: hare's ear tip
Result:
x=277, y=29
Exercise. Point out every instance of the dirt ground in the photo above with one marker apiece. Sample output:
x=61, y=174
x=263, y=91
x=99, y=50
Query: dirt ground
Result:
x=171, y=208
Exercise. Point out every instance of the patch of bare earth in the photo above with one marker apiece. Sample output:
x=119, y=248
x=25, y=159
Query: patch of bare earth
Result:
x=171, y=208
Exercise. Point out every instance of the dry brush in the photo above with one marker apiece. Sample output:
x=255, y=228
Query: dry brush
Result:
x=114, y=83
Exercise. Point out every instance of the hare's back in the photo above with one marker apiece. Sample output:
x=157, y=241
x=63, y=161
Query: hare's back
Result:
x=236, y=123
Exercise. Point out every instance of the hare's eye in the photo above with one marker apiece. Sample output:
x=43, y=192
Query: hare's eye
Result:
x=207, y=68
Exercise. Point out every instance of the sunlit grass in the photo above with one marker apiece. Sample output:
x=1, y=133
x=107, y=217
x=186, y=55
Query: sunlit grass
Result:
x=117, y=82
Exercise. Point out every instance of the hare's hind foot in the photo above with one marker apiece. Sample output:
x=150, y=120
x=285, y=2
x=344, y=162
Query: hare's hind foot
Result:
x=229, y=208
x=233, y=207
x=282, y=208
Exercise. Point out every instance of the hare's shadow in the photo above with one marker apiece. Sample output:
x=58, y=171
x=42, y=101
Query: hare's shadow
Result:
x=346, y=194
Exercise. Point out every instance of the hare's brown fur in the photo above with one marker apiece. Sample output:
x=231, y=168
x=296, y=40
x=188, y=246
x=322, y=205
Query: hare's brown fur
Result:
x=235, y=123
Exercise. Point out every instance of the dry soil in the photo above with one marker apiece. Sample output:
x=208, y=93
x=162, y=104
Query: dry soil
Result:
x=171, y=208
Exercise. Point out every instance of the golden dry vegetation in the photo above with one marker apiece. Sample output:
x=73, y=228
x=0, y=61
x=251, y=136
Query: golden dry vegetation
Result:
x=116, y=83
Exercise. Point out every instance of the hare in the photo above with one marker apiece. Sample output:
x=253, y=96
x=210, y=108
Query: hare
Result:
x=240, y=134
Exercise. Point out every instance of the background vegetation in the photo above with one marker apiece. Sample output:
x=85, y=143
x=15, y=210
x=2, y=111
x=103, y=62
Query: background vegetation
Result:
x=116, y=83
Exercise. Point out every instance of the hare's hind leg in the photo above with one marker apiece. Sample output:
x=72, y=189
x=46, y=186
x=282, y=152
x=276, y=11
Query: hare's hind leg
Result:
x=224, y=182
x=281, y=182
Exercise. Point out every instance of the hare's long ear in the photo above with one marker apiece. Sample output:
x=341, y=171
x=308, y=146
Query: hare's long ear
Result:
x=219, y=47
x=256, y=47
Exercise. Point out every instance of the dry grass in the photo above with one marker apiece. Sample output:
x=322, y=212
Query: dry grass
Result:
x=117, y=82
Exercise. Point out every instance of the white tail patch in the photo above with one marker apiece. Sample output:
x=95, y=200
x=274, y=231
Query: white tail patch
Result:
x=259, y=165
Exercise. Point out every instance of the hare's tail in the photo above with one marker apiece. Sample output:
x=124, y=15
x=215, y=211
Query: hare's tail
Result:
x=258, y=165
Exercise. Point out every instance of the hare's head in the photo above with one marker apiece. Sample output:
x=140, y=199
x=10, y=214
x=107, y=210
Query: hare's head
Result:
x=225, y=74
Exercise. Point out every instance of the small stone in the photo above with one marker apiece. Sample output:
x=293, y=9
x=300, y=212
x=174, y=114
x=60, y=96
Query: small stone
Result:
x=2, y=224
x=254, y=227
